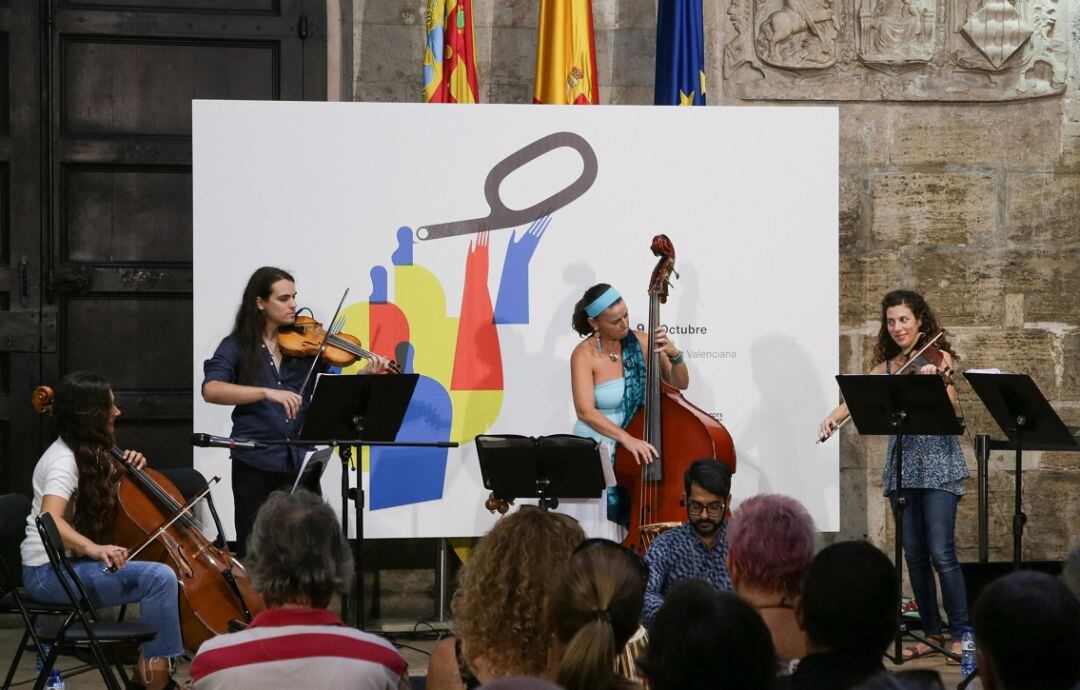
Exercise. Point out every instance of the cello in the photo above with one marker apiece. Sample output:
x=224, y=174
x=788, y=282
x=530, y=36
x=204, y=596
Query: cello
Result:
x=214, y=589
x=680, y=432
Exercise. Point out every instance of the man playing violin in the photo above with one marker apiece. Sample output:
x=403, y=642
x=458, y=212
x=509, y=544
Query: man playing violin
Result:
x=250, y=372
x=934, y=468
x=75, y=482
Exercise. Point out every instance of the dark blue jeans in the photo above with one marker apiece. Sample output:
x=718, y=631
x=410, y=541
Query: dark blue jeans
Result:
x=928, y=539
x=152, y=585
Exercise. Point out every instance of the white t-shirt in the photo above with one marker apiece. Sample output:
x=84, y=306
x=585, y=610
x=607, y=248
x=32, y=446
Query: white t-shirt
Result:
x=57, y=474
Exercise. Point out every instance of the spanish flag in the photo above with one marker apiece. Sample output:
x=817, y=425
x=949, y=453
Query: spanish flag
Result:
x=566, y=54
x=450, y=54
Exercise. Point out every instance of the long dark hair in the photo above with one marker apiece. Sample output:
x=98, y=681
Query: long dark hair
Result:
x=250, y=321
x=580, y=319
x=886, y=348
x=82, y=405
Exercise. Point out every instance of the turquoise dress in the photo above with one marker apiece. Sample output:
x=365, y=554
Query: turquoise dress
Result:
x=593, y=514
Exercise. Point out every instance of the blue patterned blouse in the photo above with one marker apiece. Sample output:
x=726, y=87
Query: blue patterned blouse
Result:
x=930, y=462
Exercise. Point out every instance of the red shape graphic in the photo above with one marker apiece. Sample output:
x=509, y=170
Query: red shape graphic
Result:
x=387, y=327
x=477, y=358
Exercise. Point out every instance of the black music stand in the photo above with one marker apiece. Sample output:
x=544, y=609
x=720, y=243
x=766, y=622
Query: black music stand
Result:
x=546, y=467
x=350, y=412
x=1030, y=423
x=901, y=406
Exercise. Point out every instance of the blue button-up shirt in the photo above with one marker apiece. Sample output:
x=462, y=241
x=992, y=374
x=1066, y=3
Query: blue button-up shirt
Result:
x=677, y=555
x=265, y=419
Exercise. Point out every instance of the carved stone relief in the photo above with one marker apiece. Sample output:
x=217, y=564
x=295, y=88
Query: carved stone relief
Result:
x=896, y=31
x=905, y=50
x=796, y=33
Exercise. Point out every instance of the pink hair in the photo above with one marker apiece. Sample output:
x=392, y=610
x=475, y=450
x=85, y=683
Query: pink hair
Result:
x=771, y=542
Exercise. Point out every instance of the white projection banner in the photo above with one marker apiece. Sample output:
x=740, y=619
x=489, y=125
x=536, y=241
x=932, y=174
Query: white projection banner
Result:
x=425, y=212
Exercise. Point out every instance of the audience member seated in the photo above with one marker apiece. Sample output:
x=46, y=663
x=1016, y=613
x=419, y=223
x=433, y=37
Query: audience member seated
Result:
x=696, y=549
x=595, y=608
x=707, y=640
x=770, y=544
x=499, y=608
x=848, y=610
x=1070, y=573
x=922, y=679
x=1027, y=634
x=298, y=559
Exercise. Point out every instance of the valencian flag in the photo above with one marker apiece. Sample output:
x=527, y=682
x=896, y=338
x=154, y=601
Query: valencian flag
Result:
x=680, y=53
x=450, y=54
x=566, y=54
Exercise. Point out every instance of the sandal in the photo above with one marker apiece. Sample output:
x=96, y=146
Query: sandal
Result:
x=956, y=649
x=920, y=650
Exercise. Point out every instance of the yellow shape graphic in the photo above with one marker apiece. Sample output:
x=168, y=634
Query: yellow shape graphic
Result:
x=419, y=295
x=474, y=413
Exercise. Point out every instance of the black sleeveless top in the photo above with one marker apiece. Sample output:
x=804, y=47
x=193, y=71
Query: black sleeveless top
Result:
x=471, y=682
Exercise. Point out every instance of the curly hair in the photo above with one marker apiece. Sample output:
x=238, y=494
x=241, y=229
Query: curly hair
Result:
x=499, y=604
x=296, y=551
x=886, y=348
x=82, y=406
x=580, y=319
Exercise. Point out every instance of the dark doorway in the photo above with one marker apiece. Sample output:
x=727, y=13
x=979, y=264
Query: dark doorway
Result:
x=95, y=194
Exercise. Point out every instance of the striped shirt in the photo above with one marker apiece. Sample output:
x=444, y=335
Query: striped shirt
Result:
x=299, y=648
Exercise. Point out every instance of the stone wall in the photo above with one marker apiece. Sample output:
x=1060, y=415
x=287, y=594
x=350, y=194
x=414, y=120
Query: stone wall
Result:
x=975, y=204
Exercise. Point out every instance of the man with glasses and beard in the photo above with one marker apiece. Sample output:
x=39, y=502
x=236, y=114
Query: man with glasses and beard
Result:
x=696, y=549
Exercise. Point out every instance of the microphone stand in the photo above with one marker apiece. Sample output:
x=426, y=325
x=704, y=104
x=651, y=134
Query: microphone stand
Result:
x=346, y=450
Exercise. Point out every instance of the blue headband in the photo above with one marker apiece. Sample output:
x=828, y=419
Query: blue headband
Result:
x=610, y=297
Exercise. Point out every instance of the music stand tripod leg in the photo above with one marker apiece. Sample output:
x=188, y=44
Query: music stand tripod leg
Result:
x=1018, y=509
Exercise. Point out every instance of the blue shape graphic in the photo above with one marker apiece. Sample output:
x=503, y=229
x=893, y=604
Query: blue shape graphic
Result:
x=403, y=476
x=403, y=255
x=512, y=304
x=378, y=285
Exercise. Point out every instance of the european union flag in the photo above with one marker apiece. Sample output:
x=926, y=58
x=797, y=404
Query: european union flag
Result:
x=680, y=53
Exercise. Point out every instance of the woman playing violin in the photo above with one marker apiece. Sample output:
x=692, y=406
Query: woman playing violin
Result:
x=248, y=370
x=75, y=482
x=934, y=468
x=607, y=378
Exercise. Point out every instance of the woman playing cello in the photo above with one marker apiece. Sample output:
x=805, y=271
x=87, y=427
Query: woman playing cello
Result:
x=934, y=469
x=607, y=378
x=74, y=481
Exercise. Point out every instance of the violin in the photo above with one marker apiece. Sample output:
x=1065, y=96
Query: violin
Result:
x=306, y=337
x=214, y=588
x=930, y=353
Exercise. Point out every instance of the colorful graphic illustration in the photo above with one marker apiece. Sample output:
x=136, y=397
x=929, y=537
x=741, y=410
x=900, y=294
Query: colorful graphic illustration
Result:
x=459, y=359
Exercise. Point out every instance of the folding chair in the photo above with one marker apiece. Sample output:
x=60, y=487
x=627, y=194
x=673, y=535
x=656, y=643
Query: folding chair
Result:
x=82, y=626
x=14, y=508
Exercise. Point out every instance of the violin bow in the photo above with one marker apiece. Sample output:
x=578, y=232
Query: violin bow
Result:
x=161, y=530
x=911, y=359
x=322, y=345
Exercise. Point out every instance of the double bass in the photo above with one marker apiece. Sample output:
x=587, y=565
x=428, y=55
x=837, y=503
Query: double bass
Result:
x=214, y=591
x=680, y=432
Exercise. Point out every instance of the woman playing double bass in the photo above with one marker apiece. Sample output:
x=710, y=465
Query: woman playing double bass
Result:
x=75, y=482
x=607, y=378
x=248, y=370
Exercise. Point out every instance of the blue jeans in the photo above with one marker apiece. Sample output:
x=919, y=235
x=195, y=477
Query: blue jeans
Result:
x=928, y=538
x=152, y=586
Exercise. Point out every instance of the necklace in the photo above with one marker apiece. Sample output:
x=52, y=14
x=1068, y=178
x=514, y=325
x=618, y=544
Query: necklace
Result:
x=600, y=348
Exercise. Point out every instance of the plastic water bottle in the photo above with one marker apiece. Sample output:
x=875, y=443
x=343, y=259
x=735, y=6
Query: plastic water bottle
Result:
x=56, y=681
x=967, y=653
x=42, y=653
